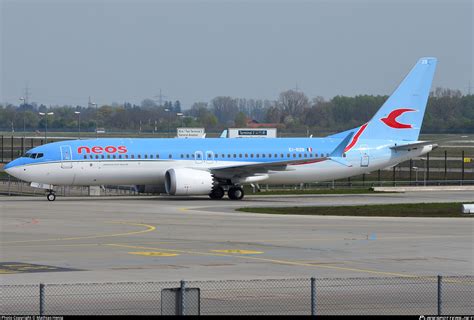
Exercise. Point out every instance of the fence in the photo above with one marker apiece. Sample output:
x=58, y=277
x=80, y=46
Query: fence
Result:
x=302, y=296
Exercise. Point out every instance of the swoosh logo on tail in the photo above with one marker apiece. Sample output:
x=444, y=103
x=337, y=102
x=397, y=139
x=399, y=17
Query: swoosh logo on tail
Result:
x=356, y=137
x=391, y=119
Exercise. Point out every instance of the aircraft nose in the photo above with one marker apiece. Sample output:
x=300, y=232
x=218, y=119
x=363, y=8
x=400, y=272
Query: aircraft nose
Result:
x=10, y=167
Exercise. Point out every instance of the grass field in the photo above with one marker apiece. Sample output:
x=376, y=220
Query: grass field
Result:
x=441, y=210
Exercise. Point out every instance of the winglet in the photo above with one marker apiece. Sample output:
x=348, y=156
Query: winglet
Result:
x=339, y=150
x=223, y=134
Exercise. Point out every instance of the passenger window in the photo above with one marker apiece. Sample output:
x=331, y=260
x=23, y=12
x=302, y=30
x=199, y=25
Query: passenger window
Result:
x=85, y=156
x=114, y=156
x=151, y=156
x=120, y=156
x=91, y=156
x=126, y=156
x=299, y=155
x=132, y=156
x=146, y=156
x=269, y=155
x=251, y=155
x=139, y=156
x=187, y=156
x=240, y=155
x=170, y=156
x=258, y=155
x=288, y=155
x=246, y=155
x=108, y=156
x=96, y=156
x=102, y=156
x=305, y=155
x=294, y=155
x=263, y=155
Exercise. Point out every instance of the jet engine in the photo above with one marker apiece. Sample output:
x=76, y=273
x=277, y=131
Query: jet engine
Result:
x=185, y=182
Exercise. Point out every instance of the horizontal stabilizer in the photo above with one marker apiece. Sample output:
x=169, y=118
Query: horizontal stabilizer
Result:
x=420, y=144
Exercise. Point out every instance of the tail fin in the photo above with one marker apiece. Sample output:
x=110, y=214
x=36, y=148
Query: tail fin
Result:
x=401, y=116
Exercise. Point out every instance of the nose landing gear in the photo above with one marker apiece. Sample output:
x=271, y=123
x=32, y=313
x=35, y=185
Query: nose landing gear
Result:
x=51, y=196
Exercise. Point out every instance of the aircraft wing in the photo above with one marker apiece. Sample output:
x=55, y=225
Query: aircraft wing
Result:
x=246, y=170
x=258, y=168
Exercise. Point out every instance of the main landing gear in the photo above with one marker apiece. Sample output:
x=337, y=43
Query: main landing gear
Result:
x=234, y=193
x=217, y=193
x=51, y=196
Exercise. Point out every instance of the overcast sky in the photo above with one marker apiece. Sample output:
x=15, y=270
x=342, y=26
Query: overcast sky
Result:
x=118, y=51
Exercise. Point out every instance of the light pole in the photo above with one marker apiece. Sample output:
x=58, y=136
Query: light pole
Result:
x=181, y=115
x=169, y=120
x=24, y=126
x=416, y=174
x=78, y=124
x=424, y=172
x=96, y=118
x=46, y=124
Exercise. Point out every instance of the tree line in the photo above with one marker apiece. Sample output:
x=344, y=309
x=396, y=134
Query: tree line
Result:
x=449, y=111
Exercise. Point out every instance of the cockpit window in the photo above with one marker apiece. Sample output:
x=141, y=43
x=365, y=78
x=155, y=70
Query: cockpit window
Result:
x=33, y=155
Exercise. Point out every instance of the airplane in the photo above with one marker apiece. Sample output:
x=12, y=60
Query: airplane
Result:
x=213, y=167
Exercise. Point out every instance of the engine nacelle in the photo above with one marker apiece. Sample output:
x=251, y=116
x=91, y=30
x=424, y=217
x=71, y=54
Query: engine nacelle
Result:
x=185, y=182
x=151, y=188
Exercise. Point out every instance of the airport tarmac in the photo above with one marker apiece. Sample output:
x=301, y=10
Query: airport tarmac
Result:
x=167, y=239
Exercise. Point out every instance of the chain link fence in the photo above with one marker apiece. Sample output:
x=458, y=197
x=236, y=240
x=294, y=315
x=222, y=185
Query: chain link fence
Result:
x=302, y=296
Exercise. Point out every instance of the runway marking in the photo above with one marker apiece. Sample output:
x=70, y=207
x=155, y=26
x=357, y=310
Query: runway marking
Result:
x=149, y=228
x=155, y=254
x=275, y=261
x=238, y=251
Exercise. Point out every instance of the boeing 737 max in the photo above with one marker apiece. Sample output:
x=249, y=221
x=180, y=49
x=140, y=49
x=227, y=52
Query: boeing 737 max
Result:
x=215, y=166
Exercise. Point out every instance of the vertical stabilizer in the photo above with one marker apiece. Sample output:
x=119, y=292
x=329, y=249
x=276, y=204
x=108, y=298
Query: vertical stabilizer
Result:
x=401, y=116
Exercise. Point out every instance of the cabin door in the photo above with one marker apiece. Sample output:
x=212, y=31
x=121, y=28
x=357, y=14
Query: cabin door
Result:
x=66, y=157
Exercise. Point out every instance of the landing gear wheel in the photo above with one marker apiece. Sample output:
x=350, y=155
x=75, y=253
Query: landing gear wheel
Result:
x=51, y=196
x=217, y=193
x=235, y=193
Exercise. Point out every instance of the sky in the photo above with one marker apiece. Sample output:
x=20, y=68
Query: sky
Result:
x=115, y=50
